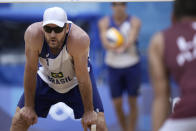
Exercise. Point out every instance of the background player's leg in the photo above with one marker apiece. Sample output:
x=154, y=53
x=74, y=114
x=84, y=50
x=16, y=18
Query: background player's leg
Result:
x=133, y=80
x=116, y=84
x=133, y=113
x=18, y=123
x=119, y=111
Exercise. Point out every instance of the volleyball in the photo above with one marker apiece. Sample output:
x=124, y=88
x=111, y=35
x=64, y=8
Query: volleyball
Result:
x=114, y=37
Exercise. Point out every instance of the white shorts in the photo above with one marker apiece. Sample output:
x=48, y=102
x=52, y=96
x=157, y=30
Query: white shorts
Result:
x=186, y=124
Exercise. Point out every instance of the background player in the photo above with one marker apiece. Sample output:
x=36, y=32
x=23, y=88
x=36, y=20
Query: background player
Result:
x=173, y=52
x=60, y=48
x=123, y=62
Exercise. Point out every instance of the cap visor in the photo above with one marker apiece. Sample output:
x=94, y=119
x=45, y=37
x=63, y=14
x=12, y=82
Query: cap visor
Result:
x=58, y=23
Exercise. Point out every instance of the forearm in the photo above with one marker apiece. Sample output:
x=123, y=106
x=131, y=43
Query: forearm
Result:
x=86, y=94
x=134, y=32
x=161, y=109
x=29, y=86
x=133, y=35
x=131, y=41
x=161, y=103
x=108, y=46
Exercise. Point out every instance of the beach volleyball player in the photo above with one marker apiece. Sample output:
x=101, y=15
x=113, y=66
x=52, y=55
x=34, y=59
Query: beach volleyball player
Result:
x=57, y=70
x=122, y=60
x=173, y=52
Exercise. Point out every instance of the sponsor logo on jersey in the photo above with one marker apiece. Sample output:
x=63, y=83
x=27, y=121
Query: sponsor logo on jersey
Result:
x=58, y=78
x=57, y=75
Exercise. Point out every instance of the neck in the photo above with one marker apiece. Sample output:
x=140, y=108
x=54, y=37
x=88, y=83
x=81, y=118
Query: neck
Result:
x=55, y=51
x=184, y=19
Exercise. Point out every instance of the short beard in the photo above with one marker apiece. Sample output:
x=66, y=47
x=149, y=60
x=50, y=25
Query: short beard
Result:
x=57, y=47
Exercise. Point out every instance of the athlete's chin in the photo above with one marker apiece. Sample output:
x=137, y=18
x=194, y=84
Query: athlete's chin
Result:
x=53, y=44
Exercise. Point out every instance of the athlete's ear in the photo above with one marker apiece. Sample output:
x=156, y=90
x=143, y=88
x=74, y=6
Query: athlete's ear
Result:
x=67, y=28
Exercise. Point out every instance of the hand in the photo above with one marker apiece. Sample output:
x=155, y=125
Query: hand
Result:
x=88, y=119
x=28, y=114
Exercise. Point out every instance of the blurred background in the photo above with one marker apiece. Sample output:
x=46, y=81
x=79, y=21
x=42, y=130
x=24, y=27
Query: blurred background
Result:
x=16, y=17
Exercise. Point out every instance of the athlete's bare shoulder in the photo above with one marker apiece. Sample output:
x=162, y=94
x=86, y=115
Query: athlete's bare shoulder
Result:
x=157, y=43
x=135, y=21
x=78, y=40
x=104, y=19
x=34, y=36
x=103, y=22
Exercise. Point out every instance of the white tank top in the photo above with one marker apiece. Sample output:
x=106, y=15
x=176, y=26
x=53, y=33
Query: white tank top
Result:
x=57, y=71
x=130, y=56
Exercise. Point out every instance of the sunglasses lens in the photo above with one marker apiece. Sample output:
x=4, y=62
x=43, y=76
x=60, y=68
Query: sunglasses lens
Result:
x=58, y=29
x=47, y=29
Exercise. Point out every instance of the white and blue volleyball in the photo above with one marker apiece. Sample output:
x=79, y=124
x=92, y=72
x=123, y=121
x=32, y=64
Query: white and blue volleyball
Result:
x=114, y=37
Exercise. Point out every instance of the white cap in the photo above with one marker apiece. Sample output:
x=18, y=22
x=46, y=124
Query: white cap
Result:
x=55, y=15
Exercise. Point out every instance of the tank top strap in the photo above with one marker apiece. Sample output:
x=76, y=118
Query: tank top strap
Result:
x=44, y=50
x=66, y=36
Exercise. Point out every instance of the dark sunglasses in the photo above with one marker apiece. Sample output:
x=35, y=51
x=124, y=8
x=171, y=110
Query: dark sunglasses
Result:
x=49, y=29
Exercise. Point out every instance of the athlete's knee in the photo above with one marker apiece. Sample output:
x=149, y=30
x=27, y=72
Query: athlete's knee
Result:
x=18, y=123
x=101, y=124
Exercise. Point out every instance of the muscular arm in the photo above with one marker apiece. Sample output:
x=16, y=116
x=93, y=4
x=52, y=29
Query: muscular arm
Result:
x=160, y=82
x=32, y=45
x=79, y=50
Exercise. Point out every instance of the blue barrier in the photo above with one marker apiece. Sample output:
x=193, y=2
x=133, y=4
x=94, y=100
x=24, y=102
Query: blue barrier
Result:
x=12, y=74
